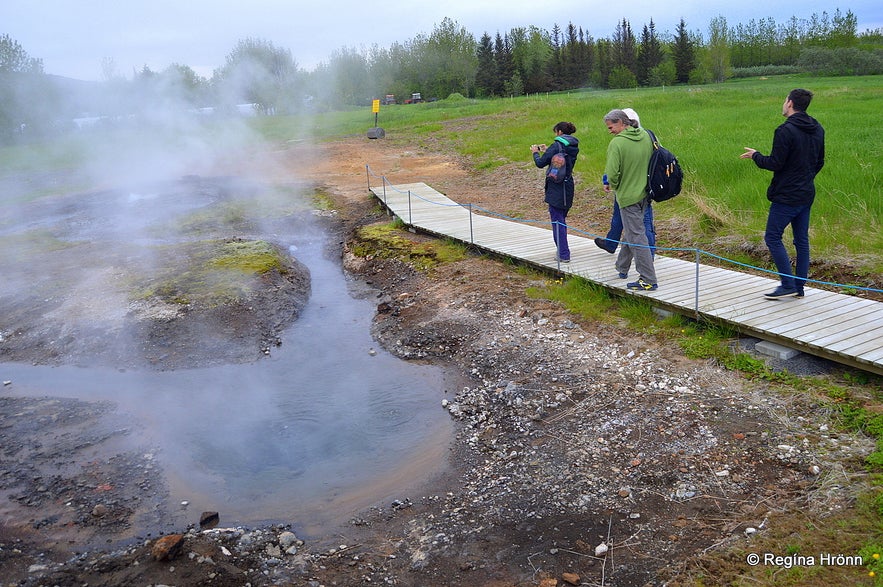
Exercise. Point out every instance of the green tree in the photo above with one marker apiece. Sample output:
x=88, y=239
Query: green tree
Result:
x=28, y=102
x=622, y=78
x=258, y=72
x=624, y=45
x=531, y=51
x=13, y=58
x=448, y=61
x=604, y=54
x=570, y=60
x=789, y=41
x=349, y=71
x=505, y=66
x=663, y=74
x=844, y=32
x=555, y=66
x=684, y=53
x=650, y=54
x=718, y=49
x=486, y=73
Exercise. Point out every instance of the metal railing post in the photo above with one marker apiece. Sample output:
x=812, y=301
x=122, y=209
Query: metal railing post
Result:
x=471, y=229
x=696, y=308
x=410, y=218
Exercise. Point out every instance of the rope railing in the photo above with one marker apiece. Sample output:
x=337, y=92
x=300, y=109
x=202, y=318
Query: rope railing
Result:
x=697, y=253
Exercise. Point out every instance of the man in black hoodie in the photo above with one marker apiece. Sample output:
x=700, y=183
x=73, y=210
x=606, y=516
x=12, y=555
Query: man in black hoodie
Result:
x=798, y=154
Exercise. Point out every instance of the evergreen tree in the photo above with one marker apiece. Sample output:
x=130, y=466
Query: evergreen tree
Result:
x=625, y=49
x=555, y=69
x=586, y=58
x=684, y=53
x=649, y=54
x=570, y=64
x=505, y=65
x=486, y=74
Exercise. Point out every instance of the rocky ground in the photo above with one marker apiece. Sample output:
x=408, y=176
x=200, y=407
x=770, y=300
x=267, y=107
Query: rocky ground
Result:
x=585, y=454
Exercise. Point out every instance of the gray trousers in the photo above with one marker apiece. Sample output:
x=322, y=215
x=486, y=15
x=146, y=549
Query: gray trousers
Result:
x=634, y=243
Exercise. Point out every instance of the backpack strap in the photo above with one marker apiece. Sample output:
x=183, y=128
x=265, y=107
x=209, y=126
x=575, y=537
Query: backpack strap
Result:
x=653, y=138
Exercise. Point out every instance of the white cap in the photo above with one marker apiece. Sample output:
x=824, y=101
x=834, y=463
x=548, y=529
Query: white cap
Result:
x=632, y=115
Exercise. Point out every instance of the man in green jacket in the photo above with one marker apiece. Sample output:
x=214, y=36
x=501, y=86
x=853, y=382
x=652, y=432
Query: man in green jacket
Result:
x=628, y=157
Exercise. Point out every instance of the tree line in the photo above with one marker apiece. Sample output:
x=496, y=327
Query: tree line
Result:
x=449, y=60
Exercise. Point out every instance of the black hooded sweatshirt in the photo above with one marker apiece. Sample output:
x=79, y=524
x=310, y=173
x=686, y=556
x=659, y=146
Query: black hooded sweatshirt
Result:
x=798, y=155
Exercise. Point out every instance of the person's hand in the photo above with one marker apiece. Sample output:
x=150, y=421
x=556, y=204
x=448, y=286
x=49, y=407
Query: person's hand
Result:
x=607, y=187
x=748, y=154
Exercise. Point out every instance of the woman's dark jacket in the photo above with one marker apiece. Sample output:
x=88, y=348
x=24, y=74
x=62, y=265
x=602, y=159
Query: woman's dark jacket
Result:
x=560, y=195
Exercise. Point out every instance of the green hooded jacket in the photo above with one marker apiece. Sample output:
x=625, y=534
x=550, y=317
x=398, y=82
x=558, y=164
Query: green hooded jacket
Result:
x=628, y=157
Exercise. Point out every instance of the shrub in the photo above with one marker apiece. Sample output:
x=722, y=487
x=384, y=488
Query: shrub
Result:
x=842, y=61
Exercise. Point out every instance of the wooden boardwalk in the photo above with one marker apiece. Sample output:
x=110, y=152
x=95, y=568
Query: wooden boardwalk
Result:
x=839, y=327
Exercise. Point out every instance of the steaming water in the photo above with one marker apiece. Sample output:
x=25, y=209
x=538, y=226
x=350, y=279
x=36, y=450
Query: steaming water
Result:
x=328, y=424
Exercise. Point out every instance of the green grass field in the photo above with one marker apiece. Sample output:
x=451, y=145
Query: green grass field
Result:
x=706, y=126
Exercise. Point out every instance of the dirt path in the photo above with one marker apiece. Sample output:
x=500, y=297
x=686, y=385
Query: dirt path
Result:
x=573, y=438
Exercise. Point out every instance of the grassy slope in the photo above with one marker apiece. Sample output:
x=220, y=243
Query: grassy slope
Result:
x=707, y=127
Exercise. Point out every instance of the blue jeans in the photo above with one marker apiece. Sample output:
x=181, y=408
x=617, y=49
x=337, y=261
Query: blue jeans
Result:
x=614, y=235
x=559, y=231
x=779, y=218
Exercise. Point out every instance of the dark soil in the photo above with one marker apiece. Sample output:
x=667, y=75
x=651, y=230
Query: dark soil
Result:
x=572, y=436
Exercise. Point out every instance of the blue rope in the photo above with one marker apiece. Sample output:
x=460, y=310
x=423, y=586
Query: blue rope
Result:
x=657, y=247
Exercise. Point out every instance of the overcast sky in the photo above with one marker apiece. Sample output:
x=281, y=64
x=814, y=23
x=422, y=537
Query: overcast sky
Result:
x=73, y=37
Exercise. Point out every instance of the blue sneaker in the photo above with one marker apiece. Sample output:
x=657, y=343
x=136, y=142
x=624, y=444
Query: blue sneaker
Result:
x=642, y=285
x=623, y=275
x=782, y=292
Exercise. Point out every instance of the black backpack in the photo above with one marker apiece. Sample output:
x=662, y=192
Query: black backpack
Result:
x=664, y=174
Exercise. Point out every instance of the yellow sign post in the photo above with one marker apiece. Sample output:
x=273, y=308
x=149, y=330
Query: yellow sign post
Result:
x=376, y=132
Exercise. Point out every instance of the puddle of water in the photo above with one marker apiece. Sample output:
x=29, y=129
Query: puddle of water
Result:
x=327, y=425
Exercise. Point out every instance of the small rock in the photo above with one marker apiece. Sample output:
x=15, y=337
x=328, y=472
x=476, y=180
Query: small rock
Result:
x=167, y=547
x=287, y=540
x=99, y=511
x=601, y=549
x=209, y=520
x=570, y=578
